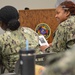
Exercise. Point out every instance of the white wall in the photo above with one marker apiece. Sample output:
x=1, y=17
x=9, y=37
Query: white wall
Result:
x=32, y=4
x=60, y=1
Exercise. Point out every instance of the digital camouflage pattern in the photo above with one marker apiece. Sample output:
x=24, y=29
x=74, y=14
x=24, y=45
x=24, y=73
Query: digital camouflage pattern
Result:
x=13, y=41
x=64, y=33
x=61, y=63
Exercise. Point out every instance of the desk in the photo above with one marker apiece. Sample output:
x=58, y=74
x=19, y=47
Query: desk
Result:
x=40, y=58
x=43, y=55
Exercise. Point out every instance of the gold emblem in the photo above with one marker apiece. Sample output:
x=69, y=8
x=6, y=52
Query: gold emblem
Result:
x=43, y=29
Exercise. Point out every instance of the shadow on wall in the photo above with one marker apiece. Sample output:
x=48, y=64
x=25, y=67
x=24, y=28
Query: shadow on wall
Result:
x=60, y=1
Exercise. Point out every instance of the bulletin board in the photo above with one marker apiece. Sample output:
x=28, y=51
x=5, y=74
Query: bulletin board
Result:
x=39, y=17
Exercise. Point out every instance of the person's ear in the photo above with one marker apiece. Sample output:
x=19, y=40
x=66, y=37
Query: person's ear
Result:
x=67, y=13
x=3, y=26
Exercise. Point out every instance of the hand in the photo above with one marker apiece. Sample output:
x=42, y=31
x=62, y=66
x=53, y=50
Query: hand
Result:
x=43, y=47
x=50, y=44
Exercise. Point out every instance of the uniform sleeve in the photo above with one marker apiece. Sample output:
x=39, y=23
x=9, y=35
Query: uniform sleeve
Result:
x=33, y=40
x=59, y=41
x=71, y=37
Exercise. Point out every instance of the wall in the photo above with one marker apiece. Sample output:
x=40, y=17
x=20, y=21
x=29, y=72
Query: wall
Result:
x=32, y=4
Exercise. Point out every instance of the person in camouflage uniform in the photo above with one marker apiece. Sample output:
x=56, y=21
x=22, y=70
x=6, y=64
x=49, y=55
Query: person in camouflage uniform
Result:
x=14, y=37
x=62, y=63
x=66, y=29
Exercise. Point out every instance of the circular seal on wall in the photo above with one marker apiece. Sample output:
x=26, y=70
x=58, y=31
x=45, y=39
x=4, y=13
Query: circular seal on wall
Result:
x=43, y=29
